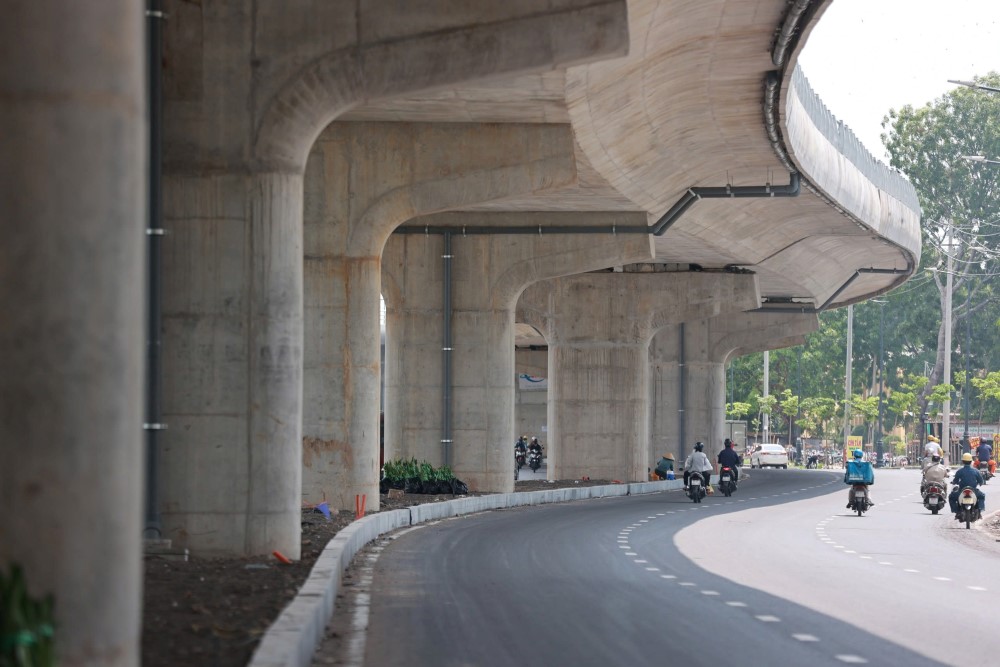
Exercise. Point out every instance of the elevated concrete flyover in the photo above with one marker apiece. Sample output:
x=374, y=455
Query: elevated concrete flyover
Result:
x=708, y=131
x=700, y=96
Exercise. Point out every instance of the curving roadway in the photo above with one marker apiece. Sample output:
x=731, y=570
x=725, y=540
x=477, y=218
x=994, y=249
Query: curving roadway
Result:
x=779, y=574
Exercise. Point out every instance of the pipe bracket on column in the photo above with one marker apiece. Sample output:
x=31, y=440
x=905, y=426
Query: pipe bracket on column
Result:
x=156, y=231
x=154, y=427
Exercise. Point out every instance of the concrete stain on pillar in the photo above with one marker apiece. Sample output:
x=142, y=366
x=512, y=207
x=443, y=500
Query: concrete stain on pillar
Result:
x=320, y=453
x=284, y=364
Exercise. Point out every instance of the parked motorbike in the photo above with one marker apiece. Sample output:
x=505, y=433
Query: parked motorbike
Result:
x=859, y=499
x=727, y=481
x=535, y=460
x=968, y=507
x=934, y=497
x=696, y=487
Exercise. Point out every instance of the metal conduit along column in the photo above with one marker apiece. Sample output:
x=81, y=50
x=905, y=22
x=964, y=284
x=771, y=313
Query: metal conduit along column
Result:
x=682, y=382
x=154, y=235
x=446, y=350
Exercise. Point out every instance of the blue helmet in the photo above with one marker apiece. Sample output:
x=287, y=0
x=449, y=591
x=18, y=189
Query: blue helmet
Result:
x=858, y=454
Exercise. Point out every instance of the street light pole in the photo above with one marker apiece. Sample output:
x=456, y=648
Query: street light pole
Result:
x=973, y=84
x=881, y=383
x=798, y=406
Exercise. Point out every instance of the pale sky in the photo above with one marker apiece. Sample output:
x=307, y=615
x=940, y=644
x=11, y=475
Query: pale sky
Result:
x=867, y=56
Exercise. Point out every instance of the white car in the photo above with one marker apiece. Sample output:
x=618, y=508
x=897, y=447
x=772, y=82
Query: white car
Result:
x=769, y=455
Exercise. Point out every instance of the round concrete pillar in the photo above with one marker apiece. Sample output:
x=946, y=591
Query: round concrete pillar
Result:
x=72, y=191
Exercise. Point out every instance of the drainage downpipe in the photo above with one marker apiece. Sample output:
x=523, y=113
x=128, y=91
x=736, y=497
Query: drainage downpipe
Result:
x=826, y=304
x=682, y=398
x=154, y=235
x=724, y=192
x=446, y=439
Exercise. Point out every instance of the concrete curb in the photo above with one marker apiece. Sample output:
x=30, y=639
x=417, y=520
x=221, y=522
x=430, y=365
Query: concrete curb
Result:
x=294, y=637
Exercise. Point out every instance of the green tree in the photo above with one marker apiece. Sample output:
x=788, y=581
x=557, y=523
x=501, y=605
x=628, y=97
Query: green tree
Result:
x=989, y=390
x=961, y=210
x=867, y=408
x=788, y=404
x=737, y=409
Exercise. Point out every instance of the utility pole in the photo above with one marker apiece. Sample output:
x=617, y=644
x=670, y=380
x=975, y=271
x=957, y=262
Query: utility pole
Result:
x=767, y=384
x=946, y=408
x=798, y=406
x=881, y=382
x=965, y=392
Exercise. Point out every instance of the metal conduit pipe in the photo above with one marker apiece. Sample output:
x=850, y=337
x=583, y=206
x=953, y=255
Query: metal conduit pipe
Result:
x=154, y=235
x=725, y=192
x=446, y=349
x=523, y=229
x=826, y=304
x=682, y=396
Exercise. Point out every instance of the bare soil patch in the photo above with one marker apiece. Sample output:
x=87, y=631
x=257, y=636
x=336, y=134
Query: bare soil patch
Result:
x=213, y=612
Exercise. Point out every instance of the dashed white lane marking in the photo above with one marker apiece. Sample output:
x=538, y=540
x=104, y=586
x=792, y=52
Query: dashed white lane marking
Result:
x=661, y=514
x=651, y=569
x=631, y=553
x=942, y=579
x=764, y=618
x=650, y=517
x=686, y=583
x=865, y=557
x=710, y=592
x=643, y=520
x=852, y=659
x=884, y=562
x=911, y=571
x=624, y=546
x=850, y=551
x=641, y=561
x=838, y=546
x=735, y=603
x=668, y=576
x=975, y=588
x=806, y=638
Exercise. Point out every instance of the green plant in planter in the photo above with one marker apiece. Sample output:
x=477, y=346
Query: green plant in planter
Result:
x=26, y=624
x=425, y=472
x=444, y=473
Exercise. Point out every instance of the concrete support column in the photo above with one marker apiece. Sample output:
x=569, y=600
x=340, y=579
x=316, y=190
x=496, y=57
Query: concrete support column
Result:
x=363, y=180
x=242, y=106
x=689, y=377
x=489, y=273
x=72, y=200
x=599, y=326
x=232, y=320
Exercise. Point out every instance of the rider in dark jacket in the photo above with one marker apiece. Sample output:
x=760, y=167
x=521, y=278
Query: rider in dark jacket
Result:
x=967, y=476
x=729, y=458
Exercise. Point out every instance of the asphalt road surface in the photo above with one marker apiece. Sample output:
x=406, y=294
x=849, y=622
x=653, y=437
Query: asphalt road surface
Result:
x=779, y=574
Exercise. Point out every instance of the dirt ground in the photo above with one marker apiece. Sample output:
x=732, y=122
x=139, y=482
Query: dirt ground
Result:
x=213, y=612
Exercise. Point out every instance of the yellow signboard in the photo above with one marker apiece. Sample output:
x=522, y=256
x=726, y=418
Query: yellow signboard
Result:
x=853, y=442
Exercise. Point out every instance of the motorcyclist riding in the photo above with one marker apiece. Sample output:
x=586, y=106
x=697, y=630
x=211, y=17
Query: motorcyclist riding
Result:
x=534, y=446
x=857, y=470
x=697, y=462
x=934, y=473
x=729, y=458
x=931, y=449
x=966, y=476
x=985, y=455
